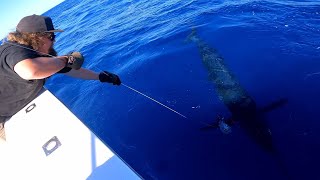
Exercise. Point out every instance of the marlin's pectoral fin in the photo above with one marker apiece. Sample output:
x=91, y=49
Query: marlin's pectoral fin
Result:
x=277, y=104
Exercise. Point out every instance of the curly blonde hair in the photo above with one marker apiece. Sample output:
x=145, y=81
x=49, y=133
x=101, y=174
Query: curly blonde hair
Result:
x=28, y=39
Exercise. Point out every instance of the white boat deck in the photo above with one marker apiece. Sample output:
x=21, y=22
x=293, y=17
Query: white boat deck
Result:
x=46, y=141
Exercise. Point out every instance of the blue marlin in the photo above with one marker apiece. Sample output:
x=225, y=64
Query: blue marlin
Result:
x=242, y=107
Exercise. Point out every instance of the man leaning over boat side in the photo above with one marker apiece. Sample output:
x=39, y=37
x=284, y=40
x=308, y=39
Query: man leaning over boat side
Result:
x=27, y=58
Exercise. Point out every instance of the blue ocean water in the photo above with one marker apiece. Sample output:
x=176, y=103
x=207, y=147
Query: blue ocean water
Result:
x=272, y=47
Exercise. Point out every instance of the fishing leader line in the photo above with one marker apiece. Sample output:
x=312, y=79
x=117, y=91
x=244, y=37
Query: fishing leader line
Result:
x=152, y=99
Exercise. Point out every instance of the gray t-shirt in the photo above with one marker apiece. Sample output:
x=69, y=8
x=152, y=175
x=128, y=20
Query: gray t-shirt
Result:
x=16, y=92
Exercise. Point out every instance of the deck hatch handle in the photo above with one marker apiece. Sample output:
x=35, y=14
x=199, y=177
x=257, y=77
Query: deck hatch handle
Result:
x=50, y=146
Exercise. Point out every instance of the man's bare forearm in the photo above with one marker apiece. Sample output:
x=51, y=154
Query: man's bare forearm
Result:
x=83, y=74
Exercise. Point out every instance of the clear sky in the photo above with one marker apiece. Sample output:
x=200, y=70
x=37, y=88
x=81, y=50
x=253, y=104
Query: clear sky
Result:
x=13, y=10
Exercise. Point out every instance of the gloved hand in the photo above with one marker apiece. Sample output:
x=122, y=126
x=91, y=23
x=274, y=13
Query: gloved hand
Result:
x=106, y=76
x=74, y=60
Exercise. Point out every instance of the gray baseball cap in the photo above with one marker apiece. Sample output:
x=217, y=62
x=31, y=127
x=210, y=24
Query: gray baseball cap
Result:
x=36, y=23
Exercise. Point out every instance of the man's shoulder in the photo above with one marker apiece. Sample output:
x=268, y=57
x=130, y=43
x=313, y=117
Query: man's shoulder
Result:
x=13, y=45
x=11, y=53
x=16, y=48
x=4, y=46
x=9, y=46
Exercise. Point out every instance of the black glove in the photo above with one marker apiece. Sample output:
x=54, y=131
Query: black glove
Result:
x=109, y=77
x=75, y=60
